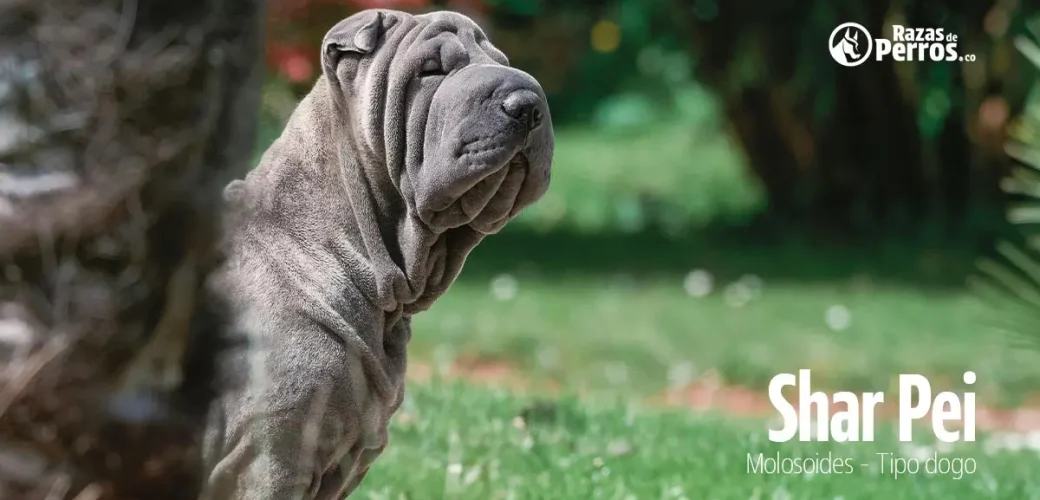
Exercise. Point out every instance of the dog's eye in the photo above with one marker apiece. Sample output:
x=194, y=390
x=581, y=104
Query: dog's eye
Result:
x=431, y=67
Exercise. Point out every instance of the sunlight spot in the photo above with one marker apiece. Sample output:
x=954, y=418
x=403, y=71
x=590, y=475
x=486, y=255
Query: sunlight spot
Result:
x=681, y=375
x=676, y=492
x=504, y=287
x=915, y=451
x=698, y=283
x=548, y=357
x=1012, y=441
x=527, y=443
x=37, y=184
x=606, y=36
x=737, y=295
x=454, y=467
x=838, y=317
x=753, y=284
x=618, y=448
x=472, y=475
x=616, y=373
x=15, y=332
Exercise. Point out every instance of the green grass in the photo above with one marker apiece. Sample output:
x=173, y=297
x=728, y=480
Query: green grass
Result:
x=614, y=313
x=588, y=290
x=635, y=335
x=673, y=176
x=460, y=442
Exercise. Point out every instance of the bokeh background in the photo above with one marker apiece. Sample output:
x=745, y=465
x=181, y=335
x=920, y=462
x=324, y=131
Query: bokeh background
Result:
x=727, y=204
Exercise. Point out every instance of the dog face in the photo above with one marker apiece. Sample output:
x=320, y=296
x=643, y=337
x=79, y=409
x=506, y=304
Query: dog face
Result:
x=466, y=139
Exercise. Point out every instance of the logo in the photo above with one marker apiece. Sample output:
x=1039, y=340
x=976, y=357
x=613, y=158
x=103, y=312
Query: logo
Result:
x=850, y=44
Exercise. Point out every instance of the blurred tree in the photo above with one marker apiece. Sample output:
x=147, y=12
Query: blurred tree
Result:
x=582, y=51
x=879, y=146
x=587, y=51
x=120, y=124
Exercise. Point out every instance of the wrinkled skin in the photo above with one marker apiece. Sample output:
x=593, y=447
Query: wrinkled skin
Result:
x=417, y=142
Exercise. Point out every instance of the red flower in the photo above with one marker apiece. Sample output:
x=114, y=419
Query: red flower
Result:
x=292, y=62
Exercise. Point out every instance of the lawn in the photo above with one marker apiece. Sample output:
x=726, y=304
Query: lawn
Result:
x=587, y=292
x=637, y=334
x=460, y=442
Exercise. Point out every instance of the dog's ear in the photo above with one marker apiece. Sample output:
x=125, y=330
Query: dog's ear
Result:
x=357, y=34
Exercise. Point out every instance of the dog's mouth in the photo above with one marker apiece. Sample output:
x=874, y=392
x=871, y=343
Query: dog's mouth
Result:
x=502, y=205
x=489, y=204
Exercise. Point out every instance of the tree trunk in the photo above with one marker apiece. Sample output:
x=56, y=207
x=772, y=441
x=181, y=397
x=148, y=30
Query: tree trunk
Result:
x=120, y=123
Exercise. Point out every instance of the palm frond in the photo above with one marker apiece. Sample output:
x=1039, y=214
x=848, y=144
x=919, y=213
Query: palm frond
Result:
x=1010, y=281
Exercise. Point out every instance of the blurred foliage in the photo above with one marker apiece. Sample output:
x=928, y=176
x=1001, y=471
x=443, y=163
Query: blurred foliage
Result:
x=884, y=145
x=1011, y=278
x=631, y=183
x=914, y=146
x=619, y=63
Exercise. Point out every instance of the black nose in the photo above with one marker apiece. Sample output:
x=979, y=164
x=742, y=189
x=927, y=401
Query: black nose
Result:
x=524, y=106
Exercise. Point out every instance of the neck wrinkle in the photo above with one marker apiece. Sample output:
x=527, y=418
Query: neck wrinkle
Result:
x=402, y=266
x=376, y=210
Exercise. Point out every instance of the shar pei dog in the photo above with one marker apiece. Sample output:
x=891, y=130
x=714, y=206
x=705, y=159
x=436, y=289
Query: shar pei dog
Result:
x=417, y=141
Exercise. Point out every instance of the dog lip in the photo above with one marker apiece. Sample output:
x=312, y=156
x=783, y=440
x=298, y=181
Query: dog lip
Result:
x=518, y=161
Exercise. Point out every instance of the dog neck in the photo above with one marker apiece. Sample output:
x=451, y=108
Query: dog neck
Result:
x=336, y=197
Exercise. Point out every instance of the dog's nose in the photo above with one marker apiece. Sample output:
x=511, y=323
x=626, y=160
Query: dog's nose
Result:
x=524, y=106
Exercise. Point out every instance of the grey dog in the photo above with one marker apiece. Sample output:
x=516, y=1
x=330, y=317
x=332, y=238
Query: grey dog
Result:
x=417, y=142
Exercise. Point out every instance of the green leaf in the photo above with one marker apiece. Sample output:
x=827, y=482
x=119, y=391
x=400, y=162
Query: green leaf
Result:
x=520, y=7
